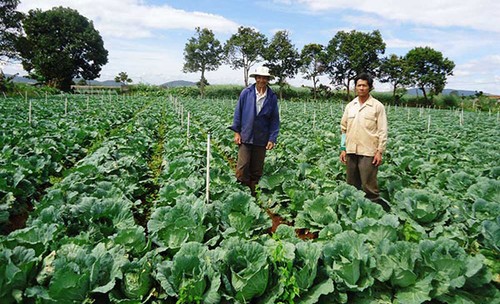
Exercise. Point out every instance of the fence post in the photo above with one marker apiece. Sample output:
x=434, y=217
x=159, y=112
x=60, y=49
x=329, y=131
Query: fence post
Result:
x=207, y=194
x=188, y=124
x=29, y=113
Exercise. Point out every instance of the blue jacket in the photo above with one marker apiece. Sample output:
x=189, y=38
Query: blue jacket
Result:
x=256, y=129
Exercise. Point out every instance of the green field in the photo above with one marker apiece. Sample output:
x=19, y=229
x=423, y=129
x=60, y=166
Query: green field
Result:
x=103, y=199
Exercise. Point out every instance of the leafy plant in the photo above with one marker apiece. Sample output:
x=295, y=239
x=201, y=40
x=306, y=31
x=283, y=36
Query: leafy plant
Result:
x=348, y=261
x=73, y=272
x=240, y=216
x=318, y=213
x=423, y=207
x=137, y=278
x=191, y=276
x=247, y=271
x=170, y=227
x=16, y=270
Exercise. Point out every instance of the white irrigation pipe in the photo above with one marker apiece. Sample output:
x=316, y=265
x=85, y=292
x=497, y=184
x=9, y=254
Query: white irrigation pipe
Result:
x=207, y=196
x=66, y=106
x=29, y=113
x=429, y=123
x=182, y=117
x=314, y=119
x=188, y=124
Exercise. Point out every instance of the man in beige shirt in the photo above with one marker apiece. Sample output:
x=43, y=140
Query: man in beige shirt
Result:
x=364, y=138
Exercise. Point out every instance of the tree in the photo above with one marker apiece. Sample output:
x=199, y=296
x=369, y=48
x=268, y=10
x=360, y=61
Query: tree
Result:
x=60, y=44
x=312, y=60
x=282, y=58
x=10, y=29
x=123, y=78
x=393, y=70
x=428, y=69
x=244, y=49
x=351, y=53
x=202, y=53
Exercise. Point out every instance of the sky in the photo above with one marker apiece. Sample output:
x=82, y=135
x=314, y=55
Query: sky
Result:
x=146, y=38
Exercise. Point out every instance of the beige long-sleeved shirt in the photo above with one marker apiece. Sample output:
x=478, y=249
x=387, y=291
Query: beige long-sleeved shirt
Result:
x=365, y=127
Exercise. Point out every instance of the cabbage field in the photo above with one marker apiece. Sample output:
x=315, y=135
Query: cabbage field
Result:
x=108, y=199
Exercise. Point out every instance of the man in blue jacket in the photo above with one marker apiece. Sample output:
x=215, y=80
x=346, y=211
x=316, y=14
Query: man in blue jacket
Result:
x=256, y=126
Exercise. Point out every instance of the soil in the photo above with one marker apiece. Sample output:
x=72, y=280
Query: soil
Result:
x=277, y=220
x=16, y=221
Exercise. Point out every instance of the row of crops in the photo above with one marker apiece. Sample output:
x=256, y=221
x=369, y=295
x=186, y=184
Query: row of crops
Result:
x=120, y=211
x=40, y=139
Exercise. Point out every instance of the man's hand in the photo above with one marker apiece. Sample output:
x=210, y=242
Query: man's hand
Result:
x=377, y=159
x=343, y=157
x=237, y=138
x=270, y=145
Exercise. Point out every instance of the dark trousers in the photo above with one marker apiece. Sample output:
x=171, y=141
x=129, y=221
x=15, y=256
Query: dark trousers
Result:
x=250, y=165
x=362, y=174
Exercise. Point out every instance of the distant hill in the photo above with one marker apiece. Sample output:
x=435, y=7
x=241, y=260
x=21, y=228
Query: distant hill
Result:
x=21, y=79
x=111, y=83
x=178, y=83
x=413, y=92
x=108, y=83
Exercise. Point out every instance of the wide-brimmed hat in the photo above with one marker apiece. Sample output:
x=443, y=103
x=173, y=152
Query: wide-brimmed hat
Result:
x=262, y=71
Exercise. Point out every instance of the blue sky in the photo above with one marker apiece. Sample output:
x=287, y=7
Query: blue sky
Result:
x=146, y=38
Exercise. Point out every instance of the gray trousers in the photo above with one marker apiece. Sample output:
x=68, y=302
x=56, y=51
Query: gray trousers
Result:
x=250, y=165
x=362, y=174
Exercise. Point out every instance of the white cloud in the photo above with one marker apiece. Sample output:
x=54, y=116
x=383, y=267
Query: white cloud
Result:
x=398, y=43
x=481, y=73
x=365, y=20
x=133, y=19
x=147, y=41
x=479, y=14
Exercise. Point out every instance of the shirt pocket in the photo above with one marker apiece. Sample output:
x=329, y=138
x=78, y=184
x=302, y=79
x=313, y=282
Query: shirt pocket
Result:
x=370, y=121
x=351, y=114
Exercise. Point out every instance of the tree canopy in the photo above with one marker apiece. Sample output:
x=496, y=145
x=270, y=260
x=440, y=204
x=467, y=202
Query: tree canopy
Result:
x=60, y=44
x=244, y=49
x=351, y=53
x=202, y=53
x=282, y=58
x=312, y=58
x=428, y=69
x=393, y=70
x=123, y=78
x=10, y=28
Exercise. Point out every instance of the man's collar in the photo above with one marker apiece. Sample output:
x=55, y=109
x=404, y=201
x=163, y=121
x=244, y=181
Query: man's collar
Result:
x=368, y=102
x=257, y=92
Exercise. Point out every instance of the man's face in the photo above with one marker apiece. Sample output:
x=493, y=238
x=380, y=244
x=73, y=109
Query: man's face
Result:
x=261, y=81
x=362, y=88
